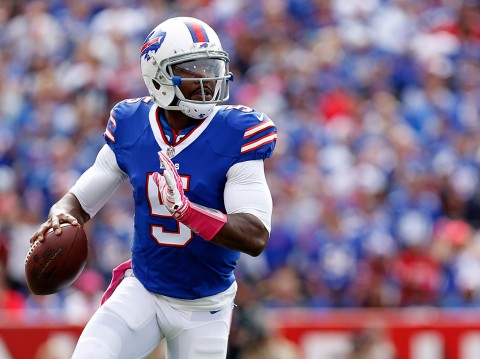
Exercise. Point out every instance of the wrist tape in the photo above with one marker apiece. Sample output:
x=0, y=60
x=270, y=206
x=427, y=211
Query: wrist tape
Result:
x=204, y=221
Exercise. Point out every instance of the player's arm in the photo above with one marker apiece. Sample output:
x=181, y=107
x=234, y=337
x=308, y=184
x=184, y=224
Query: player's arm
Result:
x=249, y=206
x=90, y=193
x=246, y=193
x=243, y=232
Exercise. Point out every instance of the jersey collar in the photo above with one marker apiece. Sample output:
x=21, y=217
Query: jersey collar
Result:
x=159, y=132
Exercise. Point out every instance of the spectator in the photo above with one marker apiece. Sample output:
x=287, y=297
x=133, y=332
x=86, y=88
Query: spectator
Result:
x=372, y=343
x=377, y=106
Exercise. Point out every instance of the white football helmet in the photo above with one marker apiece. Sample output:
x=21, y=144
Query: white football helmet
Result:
x=187, y=46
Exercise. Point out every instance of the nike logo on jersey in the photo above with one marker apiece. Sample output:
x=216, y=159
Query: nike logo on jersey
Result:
x=261, y=117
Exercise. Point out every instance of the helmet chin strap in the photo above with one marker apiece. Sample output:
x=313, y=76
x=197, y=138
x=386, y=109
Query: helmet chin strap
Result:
x=198, y=111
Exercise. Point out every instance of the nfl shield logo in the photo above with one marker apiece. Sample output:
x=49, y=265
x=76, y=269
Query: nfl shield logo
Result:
x=170, y=152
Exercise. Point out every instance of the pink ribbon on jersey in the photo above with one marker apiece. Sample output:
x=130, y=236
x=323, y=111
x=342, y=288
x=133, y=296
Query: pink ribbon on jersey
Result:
x=117, y=276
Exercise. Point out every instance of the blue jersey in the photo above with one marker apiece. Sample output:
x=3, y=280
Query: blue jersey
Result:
x=169, y=258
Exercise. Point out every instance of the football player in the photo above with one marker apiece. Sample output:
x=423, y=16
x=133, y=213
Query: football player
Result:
x=201, y=197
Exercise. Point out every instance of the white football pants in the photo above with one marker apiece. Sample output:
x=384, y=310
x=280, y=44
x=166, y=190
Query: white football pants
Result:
x=133, y=321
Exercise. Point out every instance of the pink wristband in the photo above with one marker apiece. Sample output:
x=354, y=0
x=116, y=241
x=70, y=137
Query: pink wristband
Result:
x=204, y=221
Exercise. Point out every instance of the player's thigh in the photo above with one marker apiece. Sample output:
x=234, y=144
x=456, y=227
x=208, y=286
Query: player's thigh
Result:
x=125, y=326
x=205, y=336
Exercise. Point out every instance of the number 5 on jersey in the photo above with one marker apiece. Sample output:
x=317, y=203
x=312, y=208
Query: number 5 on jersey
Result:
x=176, y=238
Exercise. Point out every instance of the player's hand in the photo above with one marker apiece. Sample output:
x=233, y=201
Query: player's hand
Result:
x=170, y=187
x=53, y=222
x=204, y=221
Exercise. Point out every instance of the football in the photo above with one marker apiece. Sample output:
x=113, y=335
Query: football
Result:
x=56, y=263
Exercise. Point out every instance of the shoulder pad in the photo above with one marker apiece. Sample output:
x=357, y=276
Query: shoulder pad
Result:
x=256, y=132
x=128, y=120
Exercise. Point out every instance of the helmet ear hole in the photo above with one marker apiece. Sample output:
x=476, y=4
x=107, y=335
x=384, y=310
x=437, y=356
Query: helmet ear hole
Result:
x=156, y=84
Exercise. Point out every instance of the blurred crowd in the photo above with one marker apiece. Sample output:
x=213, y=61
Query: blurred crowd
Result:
x=375, y=178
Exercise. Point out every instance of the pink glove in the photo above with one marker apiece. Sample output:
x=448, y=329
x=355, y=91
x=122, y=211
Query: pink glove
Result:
x=170, y=187
x=206, y=222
